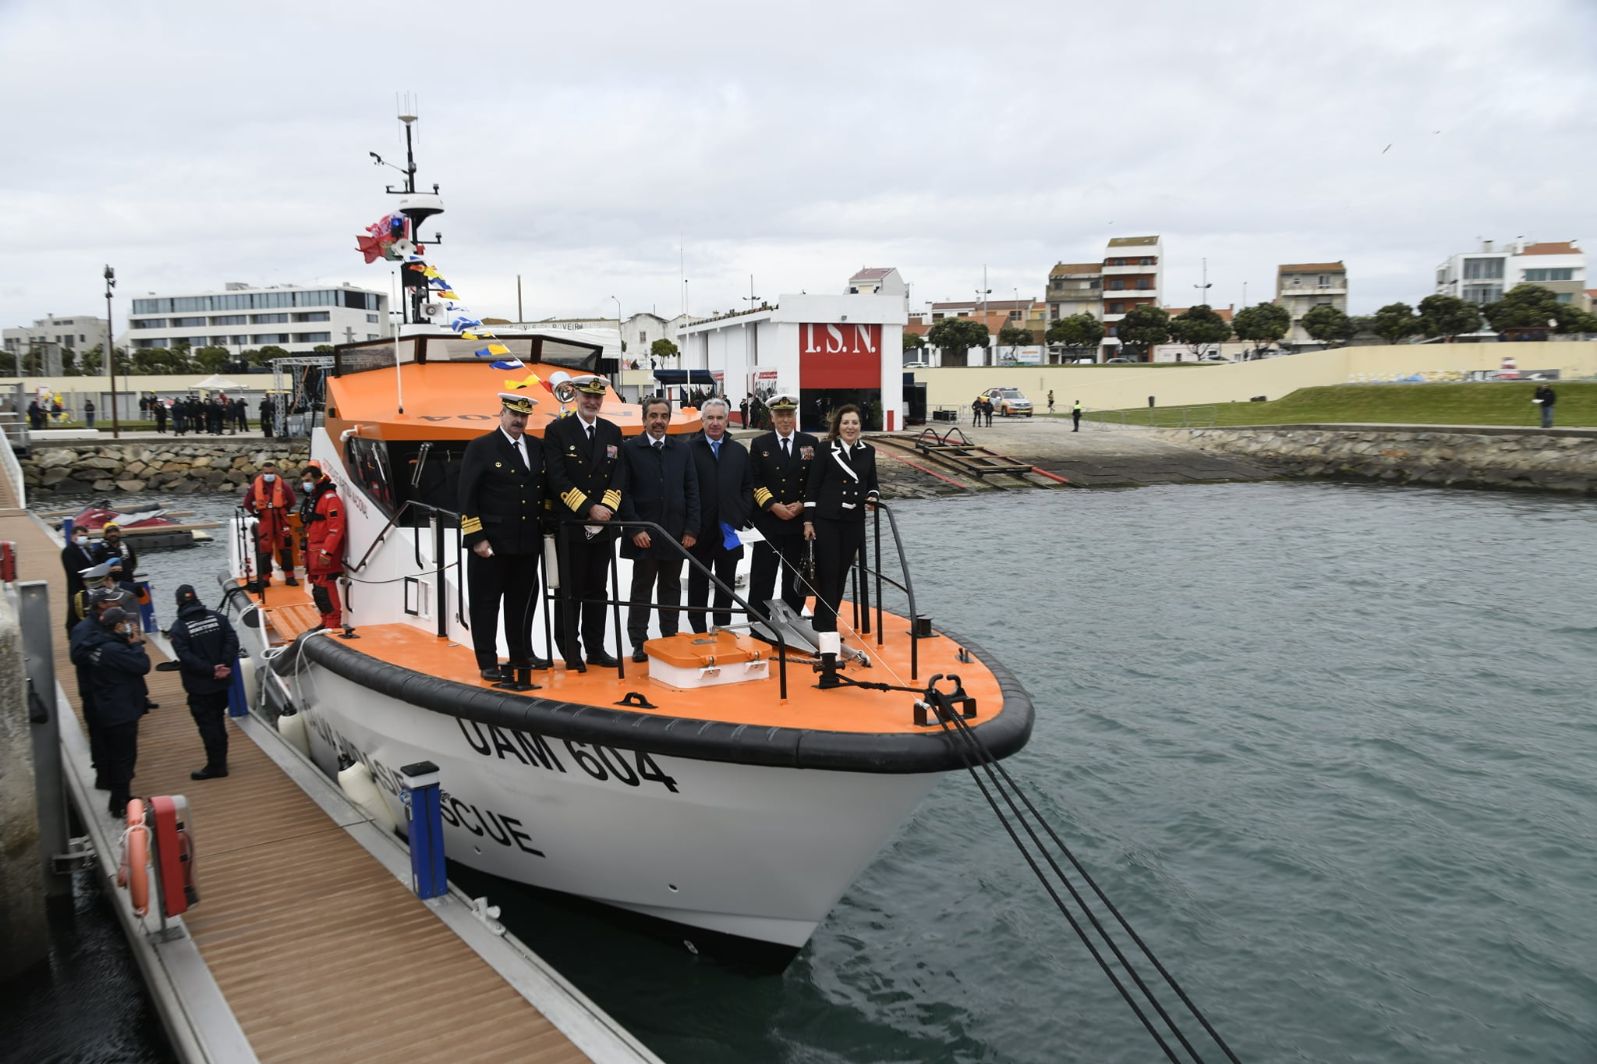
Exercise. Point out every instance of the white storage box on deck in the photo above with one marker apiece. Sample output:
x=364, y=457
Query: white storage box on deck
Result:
x=690, y=660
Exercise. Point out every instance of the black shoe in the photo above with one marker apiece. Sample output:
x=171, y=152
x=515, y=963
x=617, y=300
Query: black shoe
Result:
x=209, y=773
x=640, y=655
x=118, y=812
x=148, y=705
x=495, y=674
x=289, y=581
x=602, y=660
x=542, y=663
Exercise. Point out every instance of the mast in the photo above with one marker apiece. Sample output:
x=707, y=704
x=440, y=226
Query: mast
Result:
x=416, y=207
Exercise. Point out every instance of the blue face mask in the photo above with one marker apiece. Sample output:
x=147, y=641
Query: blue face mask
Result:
x=268, y=477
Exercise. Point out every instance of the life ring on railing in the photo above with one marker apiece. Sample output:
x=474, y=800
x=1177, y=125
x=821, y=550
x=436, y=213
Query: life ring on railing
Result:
x=133, y=872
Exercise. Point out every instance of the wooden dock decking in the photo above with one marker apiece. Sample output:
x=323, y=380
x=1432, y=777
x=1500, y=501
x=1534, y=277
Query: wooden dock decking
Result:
x=321, y=953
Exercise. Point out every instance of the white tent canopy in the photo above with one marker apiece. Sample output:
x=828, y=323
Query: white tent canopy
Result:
x=218, y=383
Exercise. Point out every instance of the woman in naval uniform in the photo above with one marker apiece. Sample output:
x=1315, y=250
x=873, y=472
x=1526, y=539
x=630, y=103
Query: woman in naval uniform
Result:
x=842, y=482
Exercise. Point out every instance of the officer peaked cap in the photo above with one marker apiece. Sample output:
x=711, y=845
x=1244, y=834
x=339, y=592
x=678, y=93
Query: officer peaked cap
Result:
x=516, y=403
x=591, y=384
x=782, y=401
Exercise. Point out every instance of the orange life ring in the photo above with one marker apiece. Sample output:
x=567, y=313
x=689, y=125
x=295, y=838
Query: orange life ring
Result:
x=132, y=873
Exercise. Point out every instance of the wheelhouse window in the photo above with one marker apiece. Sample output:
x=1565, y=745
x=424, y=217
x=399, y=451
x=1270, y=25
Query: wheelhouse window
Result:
x=367, y=462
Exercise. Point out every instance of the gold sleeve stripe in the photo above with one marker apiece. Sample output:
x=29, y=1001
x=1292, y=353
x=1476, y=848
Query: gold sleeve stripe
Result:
x=612, y=499
x=573, y=499
x=762, y=496
x=471, y=525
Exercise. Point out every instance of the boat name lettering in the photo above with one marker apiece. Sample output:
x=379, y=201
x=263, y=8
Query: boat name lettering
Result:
x=506, y=830
x=606, y=762
x=490, y=740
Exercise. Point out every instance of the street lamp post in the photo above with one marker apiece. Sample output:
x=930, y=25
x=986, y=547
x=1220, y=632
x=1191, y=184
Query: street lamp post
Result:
x=110, y=351
x=618, y=328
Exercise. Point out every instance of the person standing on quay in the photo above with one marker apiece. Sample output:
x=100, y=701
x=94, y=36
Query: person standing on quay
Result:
x=780, y=464
x=117, y=663
x=76, y=556
x=842, y=482
x=271, y=500
x=502, y=491
x=123, y=559
x=160, y=417
x=1075, y=417
x=207, y=649
x=323, y=522
x=268, y=416
x=85, y=627
x=726, y=489
x=88, y=413
x=661, y=487
x=1050, y=400
x=1546, y=397
x=582, y=460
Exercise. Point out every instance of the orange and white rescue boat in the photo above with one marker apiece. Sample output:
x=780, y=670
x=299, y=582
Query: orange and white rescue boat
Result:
x=728, y=785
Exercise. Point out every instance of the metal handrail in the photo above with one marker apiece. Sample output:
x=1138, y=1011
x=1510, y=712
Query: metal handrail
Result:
x=908, y=586
x=13, y=469
x=568, y=607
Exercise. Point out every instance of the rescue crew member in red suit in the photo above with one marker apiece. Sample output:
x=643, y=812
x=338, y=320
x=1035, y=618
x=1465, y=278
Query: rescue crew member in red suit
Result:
x=271, y=500
x=324, y=543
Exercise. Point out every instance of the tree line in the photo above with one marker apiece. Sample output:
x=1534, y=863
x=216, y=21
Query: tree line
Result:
x=1526, y=310
x=152, y=361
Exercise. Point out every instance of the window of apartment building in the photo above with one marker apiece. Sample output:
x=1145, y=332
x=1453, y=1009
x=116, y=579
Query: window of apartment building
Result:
x=357, y=300
x=315, y=338
x=1482, y=294
x=315, y=315
x=1117, y=308
x=1115, y=284
x=1144, y=285
x=188, y=323
x=1565, y=274
x=230, y=319
x=271, y=338
x=1483, y=269
x=1565, y=297
x=371, y=319
x=150, y=323
x=144, y=344
x=268, y=319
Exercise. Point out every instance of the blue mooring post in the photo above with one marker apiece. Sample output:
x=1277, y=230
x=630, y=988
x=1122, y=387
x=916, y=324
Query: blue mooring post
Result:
x=425, y=820
x=238, y=703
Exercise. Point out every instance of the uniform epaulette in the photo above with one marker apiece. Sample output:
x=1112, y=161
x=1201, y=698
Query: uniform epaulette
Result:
x=612, y=499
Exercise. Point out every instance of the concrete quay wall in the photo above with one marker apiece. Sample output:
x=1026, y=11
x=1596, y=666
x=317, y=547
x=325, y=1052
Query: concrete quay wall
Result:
x=1558, y=460
x=169, y=467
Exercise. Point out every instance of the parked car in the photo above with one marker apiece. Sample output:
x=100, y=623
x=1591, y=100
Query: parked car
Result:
x=1114, y=361
x=1009, y=402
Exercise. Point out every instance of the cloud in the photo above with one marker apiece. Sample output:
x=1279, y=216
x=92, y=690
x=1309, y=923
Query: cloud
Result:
x=608, y=151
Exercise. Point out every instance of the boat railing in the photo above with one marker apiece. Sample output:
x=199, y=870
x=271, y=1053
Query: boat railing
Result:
x=436, y=517
x=13, y=470
x=657, y=534
x=863, y=572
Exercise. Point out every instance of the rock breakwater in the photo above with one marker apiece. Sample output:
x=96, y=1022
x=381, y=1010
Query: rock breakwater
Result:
x=134, y=466
x=1501, y=458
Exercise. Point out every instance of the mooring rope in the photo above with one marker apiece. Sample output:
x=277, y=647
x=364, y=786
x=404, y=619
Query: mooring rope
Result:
x=973, y=754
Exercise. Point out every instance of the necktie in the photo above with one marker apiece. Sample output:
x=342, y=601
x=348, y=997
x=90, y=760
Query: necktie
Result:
x=659, y=445
x=590, y=433
x=785, y=452
x=715, y=449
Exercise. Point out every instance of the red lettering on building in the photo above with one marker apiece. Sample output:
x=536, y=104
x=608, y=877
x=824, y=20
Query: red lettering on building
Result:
x=840, y=355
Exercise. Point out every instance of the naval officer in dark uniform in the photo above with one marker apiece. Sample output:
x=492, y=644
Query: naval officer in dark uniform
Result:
x=582, y=460
x=501, y=502
x=842, y=481
x=780, y=465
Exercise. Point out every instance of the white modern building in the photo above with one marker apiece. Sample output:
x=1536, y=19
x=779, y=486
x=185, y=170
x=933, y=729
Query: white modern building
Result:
x=239, y=318
x=1482, y=276
x=829, y=350
x=52, y=334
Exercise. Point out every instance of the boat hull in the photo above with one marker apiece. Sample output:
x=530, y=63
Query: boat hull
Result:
x=755, y=851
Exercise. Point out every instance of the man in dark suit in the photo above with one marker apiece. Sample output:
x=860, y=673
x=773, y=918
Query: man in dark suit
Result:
x=76, y=556
x=582, y=460
x=661, y=487
x=725, y=495
x=780, y=461
x=501, y=502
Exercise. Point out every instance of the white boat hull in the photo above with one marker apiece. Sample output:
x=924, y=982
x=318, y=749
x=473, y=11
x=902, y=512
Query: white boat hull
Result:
x=754, y=851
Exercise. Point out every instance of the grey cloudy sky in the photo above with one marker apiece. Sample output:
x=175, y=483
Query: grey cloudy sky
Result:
x=580, y=145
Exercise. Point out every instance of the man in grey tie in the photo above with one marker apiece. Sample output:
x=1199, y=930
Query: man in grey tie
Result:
x=725, y=495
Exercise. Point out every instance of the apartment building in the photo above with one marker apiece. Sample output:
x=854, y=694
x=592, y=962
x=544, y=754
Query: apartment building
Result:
x=1133, y=274
x=1075, y=288
x=240, y=317
x=52, y=335
x=1483, y=275
x=1302, y=286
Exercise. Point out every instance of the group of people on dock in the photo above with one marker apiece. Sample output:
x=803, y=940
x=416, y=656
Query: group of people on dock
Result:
x=701, y=491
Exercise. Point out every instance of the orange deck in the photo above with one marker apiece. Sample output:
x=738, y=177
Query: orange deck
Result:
x=755, y=702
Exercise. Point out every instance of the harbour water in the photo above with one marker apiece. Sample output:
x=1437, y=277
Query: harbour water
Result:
x=1328, y=747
